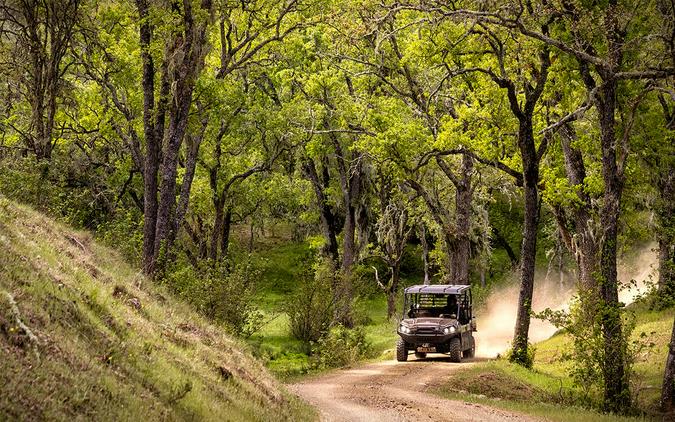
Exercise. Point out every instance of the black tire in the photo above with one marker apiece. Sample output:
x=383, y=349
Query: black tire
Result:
x=401, y=351
x=455, y=350
x=470, y=353
x=420, y=355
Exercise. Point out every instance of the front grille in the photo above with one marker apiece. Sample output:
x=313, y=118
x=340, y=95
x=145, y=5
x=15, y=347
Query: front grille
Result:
x=426, y=339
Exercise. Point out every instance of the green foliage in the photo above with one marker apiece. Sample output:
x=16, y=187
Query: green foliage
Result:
x=224, y=292
x=587, y=355
x=124, y=231
x=310, y=309
x=340, y=347
x=525, y=358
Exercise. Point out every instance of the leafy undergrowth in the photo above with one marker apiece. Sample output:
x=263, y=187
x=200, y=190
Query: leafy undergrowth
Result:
x=546, y=390
x=83, y=335
x=283, y=264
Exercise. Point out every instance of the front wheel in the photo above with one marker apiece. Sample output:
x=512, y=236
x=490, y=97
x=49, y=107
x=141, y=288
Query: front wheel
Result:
x=401, y=351
x=471, y=352
x=455, y=350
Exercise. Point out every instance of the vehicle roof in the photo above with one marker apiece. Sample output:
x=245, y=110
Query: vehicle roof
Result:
x=451, y=289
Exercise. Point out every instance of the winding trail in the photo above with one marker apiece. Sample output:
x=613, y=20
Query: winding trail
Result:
x=392, y=391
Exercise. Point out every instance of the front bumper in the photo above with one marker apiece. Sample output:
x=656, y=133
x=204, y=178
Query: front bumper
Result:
x=427, y=338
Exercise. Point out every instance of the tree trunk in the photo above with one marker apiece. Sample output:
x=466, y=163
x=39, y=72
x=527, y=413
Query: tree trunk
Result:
x=152, y=146
x=666, y=211
x=668, y=388
x=462, y=242
x=586, y=248
x=425, y=252
x=178, y=119
x=617, y=395
x=393, y=289
x=186, y=186
x=529, y=245
x=219, y=219
x=351, y=192
x=666, y=267
x=41, y=31
x=227, y=226
x=349, y=241
x=327, y=219
x=189, y=47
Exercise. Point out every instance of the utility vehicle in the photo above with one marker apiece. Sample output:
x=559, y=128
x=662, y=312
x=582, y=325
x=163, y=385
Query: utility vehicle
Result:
x=437, y=319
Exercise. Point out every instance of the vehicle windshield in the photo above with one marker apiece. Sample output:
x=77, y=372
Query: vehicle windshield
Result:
x=434, y=305
x=438, y=305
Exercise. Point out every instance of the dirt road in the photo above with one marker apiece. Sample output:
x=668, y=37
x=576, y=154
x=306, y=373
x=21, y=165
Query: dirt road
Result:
x=391, y=391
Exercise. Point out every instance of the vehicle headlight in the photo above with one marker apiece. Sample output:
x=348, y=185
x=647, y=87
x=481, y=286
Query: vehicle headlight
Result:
x=404, y=329
x=449, y=330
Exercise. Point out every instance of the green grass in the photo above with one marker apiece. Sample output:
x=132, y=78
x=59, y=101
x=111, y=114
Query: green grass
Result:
x=282, y=265
x=549, y=411
x=380, y=332
x=111, y=345
x=547, y=390
x=649, y=362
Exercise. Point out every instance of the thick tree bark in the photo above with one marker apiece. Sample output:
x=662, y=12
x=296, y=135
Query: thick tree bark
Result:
x=186, y=185
x=666, y=218
x=617, y=395
x=461, y=247
x=152, y=146
x=349, y=240
x=227, y=226
x=189, y=45
x=425, y=252
x=219, y=219
x=668, y=388
x=327, y=218
x=585, y=248
x=529, y=245
x=350, y=173
x=531, y=158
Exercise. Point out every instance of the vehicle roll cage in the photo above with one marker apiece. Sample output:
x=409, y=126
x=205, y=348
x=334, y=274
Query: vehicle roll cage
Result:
x=433, y=301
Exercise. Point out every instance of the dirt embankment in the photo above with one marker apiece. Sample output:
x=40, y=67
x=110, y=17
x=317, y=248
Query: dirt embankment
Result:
x=391, y=391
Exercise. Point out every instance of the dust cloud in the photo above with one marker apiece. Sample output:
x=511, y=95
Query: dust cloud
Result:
x=497, y=319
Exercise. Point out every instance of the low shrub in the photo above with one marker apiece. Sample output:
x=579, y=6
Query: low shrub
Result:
x=225, y=293
x=526, y=361
x=310, y=310
x=341, y=346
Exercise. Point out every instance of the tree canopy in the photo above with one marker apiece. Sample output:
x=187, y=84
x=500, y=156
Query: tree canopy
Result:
x=469, y=128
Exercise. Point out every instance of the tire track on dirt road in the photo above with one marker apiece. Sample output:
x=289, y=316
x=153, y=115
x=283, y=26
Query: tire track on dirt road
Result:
x=391, y=391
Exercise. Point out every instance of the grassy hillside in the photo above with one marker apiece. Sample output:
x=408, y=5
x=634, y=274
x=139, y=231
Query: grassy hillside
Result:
x=548, y=391
x=83, y=335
